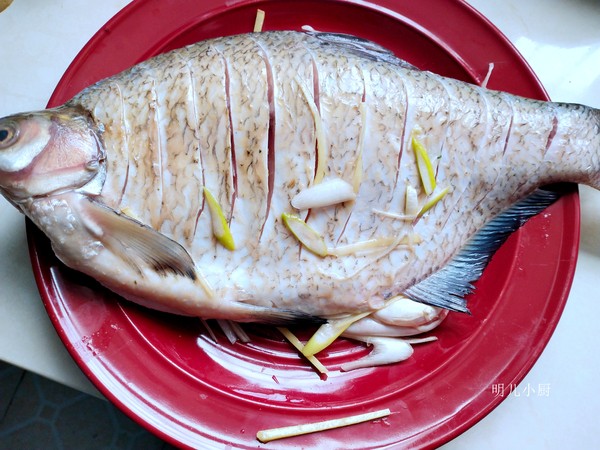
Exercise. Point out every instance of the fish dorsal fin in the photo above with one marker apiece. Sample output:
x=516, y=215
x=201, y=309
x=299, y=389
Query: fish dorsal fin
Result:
x=361, y=47
x=137, y=244
x=448, y=287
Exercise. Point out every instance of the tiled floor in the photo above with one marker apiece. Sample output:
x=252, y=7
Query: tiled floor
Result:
x=36, y=413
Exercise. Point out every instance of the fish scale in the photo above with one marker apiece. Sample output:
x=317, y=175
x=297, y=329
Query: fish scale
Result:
x=240, y=116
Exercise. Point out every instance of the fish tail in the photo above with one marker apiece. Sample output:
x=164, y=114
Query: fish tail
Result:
x=595, y=178
x=573, y=147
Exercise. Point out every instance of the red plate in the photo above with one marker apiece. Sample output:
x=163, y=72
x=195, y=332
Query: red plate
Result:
x=169, y=376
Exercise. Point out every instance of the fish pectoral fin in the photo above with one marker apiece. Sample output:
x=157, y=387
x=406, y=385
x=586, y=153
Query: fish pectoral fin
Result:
x=137, y=244
x=448, y=287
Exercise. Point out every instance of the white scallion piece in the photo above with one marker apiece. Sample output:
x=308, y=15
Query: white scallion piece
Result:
x=211, y=333
x=297, y=430
x=422, y=340
x=327, y=193
x=402, y=311
x=291, y=337
x=239, y=332
x=486, y=80
x=411, y=201
x=227, y=330
x=386, y=350
x=259, y=21
x=312, y=240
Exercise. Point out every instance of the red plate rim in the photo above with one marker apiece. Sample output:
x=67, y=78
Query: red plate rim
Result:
x=143, y=395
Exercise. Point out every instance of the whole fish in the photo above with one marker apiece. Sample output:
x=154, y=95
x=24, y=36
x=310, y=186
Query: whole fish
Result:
x=285, y=176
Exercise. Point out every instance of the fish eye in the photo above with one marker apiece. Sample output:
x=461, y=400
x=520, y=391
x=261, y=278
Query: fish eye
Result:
x=8, y=135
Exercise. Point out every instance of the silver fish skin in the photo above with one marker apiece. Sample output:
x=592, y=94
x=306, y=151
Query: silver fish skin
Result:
x=115, y=177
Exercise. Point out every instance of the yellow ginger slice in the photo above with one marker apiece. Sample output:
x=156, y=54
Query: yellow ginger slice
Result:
x=329, y=332
x=433, y=201
x=371, y=245
x=394, y=215
x=297, y=430
x=259, y=21
x=312, y=240
x=220, y=227
x=321, y=142
x=410, y=240
x=361, y=246
x=291, y=337
x=424, y=165
x=357, y=176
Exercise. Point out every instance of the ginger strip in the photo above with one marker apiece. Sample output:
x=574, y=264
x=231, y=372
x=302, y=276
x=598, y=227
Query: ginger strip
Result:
x=291, y=337
x=297, y=430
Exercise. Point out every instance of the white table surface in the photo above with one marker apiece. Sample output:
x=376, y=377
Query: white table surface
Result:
x=561, y=41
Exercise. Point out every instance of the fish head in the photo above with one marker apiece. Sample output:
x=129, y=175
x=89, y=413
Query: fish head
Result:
x=46, y=152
